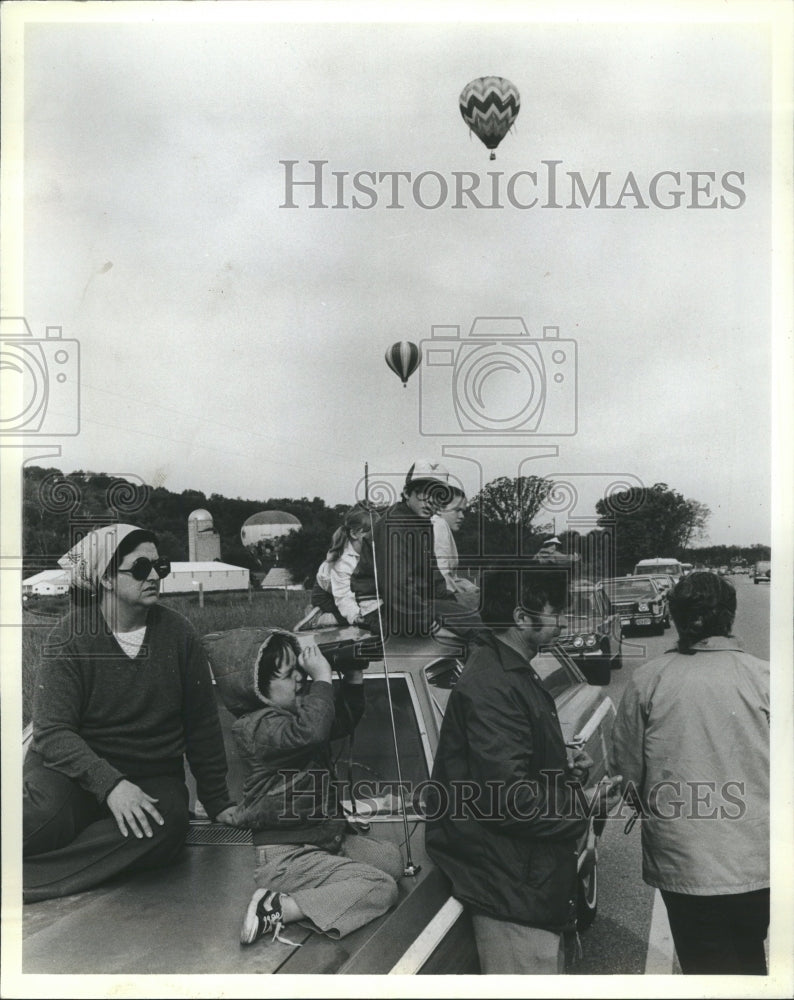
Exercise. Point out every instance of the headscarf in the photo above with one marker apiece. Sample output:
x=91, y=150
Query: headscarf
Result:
x=87, y=561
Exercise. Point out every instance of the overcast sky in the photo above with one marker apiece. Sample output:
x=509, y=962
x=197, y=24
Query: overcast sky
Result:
x=232, y=345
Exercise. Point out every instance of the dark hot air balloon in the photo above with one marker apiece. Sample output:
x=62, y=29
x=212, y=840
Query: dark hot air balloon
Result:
x=490, y=105
x=403, y=358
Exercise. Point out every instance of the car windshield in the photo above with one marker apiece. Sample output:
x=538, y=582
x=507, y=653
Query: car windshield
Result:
x=368, y=760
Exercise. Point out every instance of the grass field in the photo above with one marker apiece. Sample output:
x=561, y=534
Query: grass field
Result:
x=279, y=609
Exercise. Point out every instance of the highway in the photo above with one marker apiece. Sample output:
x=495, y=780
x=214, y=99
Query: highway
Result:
x=630, y=935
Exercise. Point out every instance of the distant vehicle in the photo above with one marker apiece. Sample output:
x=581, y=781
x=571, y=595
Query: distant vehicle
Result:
x=184, y=919
x=762, y=572
x=638, y=601
x=659, y=567
x=592, y=634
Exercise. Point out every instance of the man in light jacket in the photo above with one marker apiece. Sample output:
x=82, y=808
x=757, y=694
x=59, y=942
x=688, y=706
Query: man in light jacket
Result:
x=692, y=737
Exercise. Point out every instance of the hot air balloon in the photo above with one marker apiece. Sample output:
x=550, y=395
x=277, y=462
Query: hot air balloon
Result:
x=403, y=358
x=489, y=106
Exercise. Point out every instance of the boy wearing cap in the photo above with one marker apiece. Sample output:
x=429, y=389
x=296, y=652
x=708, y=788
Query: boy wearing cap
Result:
x=404, y=567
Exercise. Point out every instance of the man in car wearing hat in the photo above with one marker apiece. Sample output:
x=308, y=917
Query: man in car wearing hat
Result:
x=403, y=571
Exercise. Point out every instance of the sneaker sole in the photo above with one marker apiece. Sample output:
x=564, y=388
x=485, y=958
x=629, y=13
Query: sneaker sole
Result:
x=250, y=922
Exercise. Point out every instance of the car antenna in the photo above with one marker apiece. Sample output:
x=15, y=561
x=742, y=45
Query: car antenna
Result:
x=410, y=868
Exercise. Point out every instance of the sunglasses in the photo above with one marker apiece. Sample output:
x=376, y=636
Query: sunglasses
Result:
x=142, y=568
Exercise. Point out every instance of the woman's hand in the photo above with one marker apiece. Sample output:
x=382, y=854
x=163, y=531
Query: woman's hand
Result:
x=313, y=663
x=131, y=808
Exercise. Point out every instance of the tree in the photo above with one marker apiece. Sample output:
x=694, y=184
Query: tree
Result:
x=514, y=500
x=650, y=521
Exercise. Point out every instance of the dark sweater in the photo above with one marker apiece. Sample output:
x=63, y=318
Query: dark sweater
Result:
x=99, y=716
x=409, y=579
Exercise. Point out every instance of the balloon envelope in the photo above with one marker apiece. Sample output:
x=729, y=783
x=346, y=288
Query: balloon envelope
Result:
x=403, y=358
x=490, y=105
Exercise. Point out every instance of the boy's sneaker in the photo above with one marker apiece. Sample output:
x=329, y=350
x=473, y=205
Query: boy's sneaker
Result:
x=262, y=916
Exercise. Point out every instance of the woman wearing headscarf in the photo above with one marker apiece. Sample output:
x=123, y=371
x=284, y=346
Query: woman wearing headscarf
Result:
x=123, y=693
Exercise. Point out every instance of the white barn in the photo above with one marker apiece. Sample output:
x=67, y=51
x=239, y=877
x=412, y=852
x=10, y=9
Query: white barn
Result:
x=185, y=577
x=50, y=582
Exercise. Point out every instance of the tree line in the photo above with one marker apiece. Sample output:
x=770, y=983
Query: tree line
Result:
x=508, y=516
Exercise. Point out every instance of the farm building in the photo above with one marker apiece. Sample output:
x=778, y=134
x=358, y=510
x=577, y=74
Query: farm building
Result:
x=185, y=577
x=48, y=582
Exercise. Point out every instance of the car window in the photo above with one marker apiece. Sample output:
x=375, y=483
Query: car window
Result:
x=581, y=605
x=372, y=751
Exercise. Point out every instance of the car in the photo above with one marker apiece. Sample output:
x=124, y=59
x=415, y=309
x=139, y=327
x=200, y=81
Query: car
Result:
x=185, y=919
x=762, y=572
x=663, y=582
x=638, y=601
x=592, y=634
x=658, y=566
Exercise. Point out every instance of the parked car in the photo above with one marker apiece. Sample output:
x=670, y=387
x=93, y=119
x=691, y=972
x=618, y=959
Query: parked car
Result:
x=185, y=919
x=658, y=566
x=663, y=583
x=638, y=602
x=762, y=572
x=592, y=635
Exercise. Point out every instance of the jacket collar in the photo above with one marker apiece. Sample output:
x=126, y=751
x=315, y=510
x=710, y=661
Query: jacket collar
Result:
x=714, y=643
x=508, y=655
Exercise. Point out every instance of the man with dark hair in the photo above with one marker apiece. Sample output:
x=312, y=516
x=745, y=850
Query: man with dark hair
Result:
x=692, y=735
x=509, y=850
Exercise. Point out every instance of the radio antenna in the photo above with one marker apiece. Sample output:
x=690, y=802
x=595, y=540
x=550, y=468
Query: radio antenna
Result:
x=410, y=868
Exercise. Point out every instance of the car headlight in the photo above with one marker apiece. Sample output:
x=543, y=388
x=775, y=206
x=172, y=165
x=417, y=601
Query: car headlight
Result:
x=656, y=608
x=643, y=607
x=578, y=641
x=591, y=640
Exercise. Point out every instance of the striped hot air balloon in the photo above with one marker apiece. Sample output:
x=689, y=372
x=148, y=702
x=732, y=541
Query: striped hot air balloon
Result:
x=490, y=105
x=403, y=358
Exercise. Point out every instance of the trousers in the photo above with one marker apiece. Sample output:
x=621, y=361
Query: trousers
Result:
x=719, y=935
x=71, y=842
x=505, y=947
x=338, y=892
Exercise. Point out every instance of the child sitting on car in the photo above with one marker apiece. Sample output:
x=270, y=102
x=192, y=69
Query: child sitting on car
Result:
x=310, y=865
x=333, y=601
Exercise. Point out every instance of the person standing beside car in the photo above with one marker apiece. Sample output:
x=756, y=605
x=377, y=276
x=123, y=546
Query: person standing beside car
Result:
x=505, y=828
x=692, y=736
x=122, y=695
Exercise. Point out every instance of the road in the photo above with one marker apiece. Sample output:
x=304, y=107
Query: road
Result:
x=630, y=935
